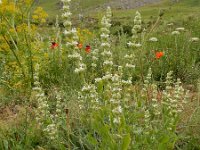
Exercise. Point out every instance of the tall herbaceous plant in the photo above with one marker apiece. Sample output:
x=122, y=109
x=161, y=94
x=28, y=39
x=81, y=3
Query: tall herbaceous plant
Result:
x=71, y=42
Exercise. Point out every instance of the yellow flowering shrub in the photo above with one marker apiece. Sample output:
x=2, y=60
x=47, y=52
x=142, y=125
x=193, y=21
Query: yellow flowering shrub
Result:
x=19, y=47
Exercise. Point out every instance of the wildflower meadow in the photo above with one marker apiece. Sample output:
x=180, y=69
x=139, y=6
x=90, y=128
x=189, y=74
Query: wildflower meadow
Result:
x=99, y=82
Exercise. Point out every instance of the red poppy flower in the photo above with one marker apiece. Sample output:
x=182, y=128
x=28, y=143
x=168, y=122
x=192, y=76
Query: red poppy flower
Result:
x=79, y=45
x=88, y=49
x=159, y=55
x=54, y=45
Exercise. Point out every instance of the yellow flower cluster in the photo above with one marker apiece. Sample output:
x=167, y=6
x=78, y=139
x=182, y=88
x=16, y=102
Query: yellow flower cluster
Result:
x=8, y=8
x=4, y=48
x=39, y=15
x=24, y=27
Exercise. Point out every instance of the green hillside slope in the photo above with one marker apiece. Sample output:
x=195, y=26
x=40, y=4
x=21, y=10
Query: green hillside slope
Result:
x=122, y=13
x=53, y=7
x=86, y=6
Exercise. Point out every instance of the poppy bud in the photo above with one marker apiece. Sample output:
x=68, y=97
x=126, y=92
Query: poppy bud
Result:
x=54, y=45
x=88, y=49
x=80, y=46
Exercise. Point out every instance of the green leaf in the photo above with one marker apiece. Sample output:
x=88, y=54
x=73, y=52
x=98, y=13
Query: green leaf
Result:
x=165, y=139
x=163, y=143
x=5, y=143
x=100, y=87
x=162, y=146
x=126, y=142
x=92, y=140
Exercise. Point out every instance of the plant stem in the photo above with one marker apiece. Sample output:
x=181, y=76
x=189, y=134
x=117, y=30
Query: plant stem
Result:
x=15, y=55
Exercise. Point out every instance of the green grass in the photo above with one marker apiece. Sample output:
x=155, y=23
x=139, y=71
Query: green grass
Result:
x=191, y=3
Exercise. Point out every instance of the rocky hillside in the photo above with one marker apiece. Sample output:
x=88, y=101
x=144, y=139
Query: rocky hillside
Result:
x=130, y=4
